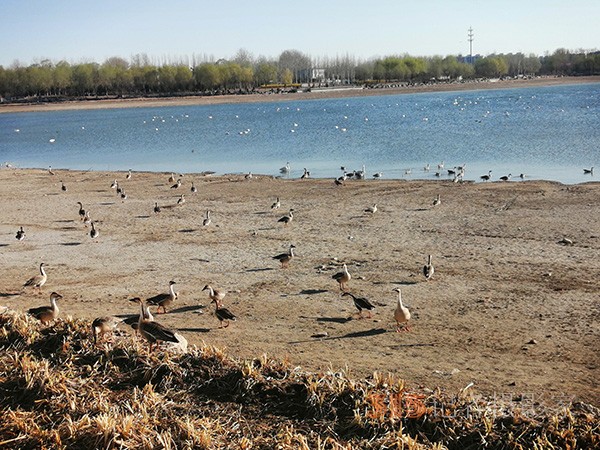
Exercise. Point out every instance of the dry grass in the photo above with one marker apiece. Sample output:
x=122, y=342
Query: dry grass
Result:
x=59, y=391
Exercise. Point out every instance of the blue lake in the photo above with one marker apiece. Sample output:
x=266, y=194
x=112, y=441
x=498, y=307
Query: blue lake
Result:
x=545, y=133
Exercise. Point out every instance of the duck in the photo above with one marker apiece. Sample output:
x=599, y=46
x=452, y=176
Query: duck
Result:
x=223, y=314
x=103, y=325
x=20, y=234
x=401, y=314
x=286, y=220
x=276, y=204
x=285, y=258
x=153, y=331
x=437, y=200
x=37, y=281
x=371, y=209
x=342, y=277
x=46, y=314
x=94, y=232
x=207, y=219
x=156, y=208
x=486, y=177
x=428, y=269
x=81, y=210
x=214, y=294
x=163, y=300
x=360, y=303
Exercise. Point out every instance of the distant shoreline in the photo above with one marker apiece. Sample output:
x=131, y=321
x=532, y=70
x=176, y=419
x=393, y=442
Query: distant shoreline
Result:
x=300, y=96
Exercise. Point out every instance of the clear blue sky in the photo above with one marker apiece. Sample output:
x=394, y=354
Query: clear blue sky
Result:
x=86, y=30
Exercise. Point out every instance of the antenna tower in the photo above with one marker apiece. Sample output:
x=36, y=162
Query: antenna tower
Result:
x=470, y=44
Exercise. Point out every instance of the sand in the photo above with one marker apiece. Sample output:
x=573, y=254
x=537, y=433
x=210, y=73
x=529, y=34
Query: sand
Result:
x=509, y=308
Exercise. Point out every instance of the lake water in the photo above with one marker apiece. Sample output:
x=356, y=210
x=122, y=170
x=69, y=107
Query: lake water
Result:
x=545, y=133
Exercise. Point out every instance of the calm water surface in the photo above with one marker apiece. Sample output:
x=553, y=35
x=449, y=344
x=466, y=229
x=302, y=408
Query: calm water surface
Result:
x=545, y=133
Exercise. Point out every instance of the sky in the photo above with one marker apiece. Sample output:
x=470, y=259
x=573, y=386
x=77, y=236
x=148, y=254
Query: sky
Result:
x=94, y=30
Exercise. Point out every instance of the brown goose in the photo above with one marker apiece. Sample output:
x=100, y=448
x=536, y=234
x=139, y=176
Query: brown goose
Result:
x=37, y=281
x=214, y=294
x=94, y=233
x=428, y=269
x=81, y=210
x=46, y=314
x=360, y=303
x=153, y=331
x=342, y=277
x=103, y=325
x=132, y=321
x=285, y=258
x=286, y=220
x=401, y=314
x=163, y=300
x=223, y=314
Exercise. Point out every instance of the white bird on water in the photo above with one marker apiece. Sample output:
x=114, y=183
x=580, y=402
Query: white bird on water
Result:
x=285, y=169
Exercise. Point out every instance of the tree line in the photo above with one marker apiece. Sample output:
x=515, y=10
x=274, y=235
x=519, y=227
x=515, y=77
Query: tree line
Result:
x=243, y=73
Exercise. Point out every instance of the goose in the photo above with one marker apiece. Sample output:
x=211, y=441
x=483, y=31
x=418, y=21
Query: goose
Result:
x=172, y=178
x=285, y=258
x=360, y=303
x=46, y=314
x=20, y=234
x=401, y=314
x=285, y=169
x=128, y=176
x=214, y=294
x=408, y=172
x=207, y=219
x=440, y=165
x=248, y=176
x=63, y=187
x=428, y=269
x=223, y=314
x=437, y=200
x=114, y=184
x=426, y=168
x=37, y=281
x=87, y=219
x=360, y=174
x=486, y=177
x=589, y=171
x=506, y=177
x=342, y=277
x=276, y=204
x=118, y=189
x=193, y=189
x=94, y=232
x=132, y=321
x=156, y=208
x=372, y=209
x=305, y=175
x=177, y=185
x=123, y=195
x=181, y=200
x=339, y=181
x=163, y=300
x=103, y=325
x=287, y=219
x=378, y=175
x=81, y=211
x=153, y=331
x=50, y=170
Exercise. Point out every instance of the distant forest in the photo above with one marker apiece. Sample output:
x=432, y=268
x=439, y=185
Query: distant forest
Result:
x=143, y=77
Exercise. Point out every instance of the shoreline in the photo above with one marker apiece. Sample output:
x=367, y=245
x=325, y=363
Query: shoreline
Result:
x=300, y=96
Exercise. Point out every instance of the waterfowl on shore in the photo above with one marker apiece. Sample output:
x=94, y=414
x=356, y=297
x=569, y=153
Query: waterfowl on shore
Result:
x=285, y=169
x=63, y=187
x=589, y=171
x=94, y=232
x=156, y=208
x=123, y=195
x=193, y=189
x=214, y=294
x=50, y=170
x=285, y=258
x=437, y=200
x=276, y=204
x=153, y=331
x=371, y=209
x=103, y=325
x=506, y=177
x=20, y=234
x=181, y=200
x=132, y=321
x=87, y=219
x=172, y=178
x=428, y=269
x=114, y=184
x=163, y=300
x=378, y=175
x=81, y=211
x=342, y=277
x=46, y=314
x=128, y=176
x=223, y=314
x=37, y=281
x=360, y=303
x=118, y=188
x=248, y=176
x=286, y=220
x=305, y=175
x=177, y=184
x=401, y=314
x=486, y=177
x=207, y=219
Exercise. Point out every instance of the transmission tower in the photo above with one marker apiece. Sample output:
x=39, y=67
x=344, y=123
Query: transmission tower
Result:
x=470, y=44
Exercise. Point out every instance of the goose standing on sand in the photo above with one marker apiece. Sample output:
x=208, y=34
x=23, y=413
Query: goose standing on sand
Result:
x=285, y=169
x=437, y=200
x=87, y=219
x=63, y=187
x=305, y=175
x=285, y=258
x=118, y=188
x=94, y=232
x=486, y=177
x=46, y=314
x=342, y=277
x=156, y=208
x=276, y=204
x=132, y=321
x=589, y=171
x=114, y=184
x=177, y=185
x=506, y=177
x=428, y=269
x=153, y=331
x=193, y=189
x=248, y=176
x=37, y=281
x=214, y=294
x=81, y=211
x=223, y=314
x=361, y=303
x=123, y=195
x=172, y=178
x=401, y=314
x=286, y=220
x=371, y=209
x=104, y=325
x=128, y=176
x=181, y=200
x=20, y=234
x=207, y=220
x=163, y=300
x=50, y=170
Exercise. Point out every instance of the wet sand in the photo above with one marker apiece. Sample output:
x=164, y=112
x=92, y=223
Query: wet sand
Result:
x=509, y=308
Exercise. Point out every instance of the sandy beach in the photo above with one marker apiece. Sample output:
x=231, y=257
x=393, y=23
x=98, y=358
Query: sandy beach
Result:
x=313, y=95
x=511, y=307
